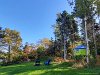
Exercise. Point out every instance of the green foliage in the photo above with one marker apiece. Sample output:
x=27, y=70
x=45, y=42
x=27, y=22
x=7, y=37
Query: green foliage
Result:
x=92, y=62
x=80, y=61
x=79, y=57
x=33, y=55
x=64, y=30
x=65, y=25
x=40, y=49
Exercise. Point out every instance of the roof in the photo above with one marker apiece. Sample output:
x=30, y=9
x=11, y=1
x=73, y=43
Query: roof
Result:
x=80, y=47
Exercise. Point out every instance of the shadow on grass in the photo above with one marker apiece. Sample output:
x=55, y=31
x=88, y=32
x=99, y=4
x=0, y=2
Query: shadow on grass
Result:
x=65, y=72
x=68, y=72
x=66, y=69
x=28, y=67
x=62, y=69
x=21, y=68
x=53, y=69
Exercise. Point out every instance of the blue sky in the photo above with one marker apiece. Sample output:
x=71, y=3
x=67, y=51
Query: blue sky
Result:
x=32, y=18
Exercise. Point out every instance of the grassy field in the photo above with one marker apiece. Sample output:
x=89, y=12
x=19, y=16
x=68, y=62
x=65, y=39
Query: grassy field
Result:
x=53, y=69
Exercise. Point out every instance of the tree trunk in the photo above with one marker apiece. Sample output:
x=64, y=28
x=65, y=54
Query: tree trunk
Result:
x=9, y=51
x=87, y=44
x=94, y=38
x=65, y=48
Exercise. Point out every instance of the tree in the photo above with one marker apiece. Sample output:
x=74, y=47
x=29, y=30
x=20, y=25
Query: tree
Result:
x=12, y=39
x=86, y=10
x=45, y=42
x=65, y=27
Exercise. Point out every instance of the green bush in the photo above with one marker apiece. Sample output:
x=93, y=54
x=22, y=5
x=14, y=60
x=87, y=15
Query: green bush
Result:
x=40, y=49
x=92, y=61
x=79, y=58
x=80, y=61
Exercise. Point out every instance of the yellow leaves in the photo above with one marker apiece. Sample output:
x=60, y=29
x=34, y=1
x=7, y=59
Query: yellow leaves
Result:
x=12, y=37
x=7, y=30
x=46, y=42
x=7, y=40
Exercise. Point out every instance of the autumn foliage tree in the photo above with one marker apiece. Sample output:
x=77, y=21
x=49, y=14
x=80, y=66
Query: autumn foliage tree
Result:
x=13, y=40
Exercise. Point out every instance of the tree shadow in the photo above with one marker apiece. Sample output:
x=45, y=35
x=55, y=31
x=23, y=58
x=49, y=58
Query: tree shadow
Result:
x=28, y=67
x=62, y=69
x=66, y=69
x=65, y=72
x=53, y=69
x=21, y=68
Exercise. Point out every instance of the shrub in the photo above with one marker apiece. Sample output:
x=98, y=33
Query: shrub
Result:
x=33, y=55
x=80, y=61
x=92, y=61
x=79, y=58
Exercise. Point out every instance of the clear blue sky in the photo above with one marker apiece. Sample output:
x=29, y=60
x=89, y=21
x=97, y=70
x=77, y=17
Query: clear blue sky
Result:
x=32, y=18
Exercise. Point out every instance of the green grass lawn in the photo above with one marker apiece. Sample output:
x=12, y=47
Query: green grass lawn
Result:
x=53, y=69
